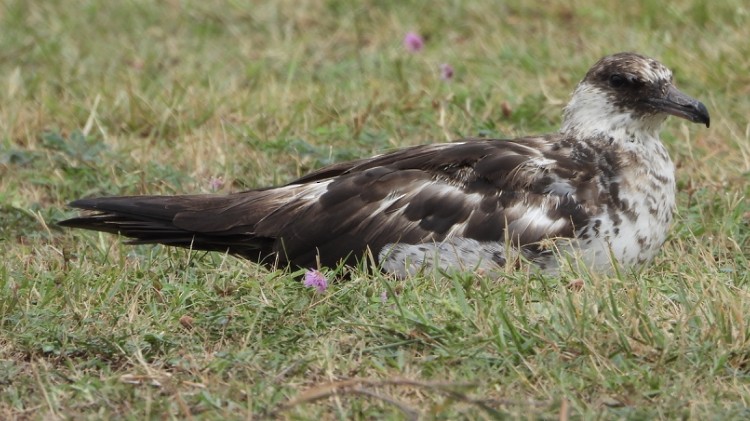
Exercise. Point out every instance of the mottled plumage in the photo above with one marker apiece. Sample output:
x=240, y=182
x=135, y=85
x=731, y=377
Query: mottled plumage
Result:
x=602, y=187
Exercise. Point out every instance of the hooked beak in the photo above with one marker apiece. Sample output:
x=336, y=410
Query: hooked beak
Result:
x=682, y=105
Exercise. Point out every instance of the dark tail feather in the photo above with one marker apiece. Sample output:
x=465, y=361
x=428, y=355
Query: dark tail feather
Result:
x=143, y=218
x=156, y=219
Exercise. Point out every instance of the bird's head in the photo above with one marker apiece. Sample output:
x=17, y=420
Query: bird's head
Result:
x=628, y=93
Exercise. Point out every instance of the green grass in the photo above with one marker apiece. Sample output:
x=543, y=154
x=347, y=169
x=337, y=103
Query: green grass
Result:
x=140, y=97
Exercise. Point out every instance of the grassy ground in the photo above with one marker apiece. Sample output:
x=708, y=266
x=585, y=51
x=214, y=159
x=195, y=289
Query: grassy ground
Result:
x=140, y=97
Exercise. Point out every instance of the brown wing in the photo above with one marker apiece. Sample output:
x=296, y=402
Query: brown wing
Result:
x=484, y=190
x=488, y=190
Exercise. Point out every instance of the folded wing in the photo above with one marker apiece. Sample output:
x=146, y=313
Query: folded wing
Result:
x=520, y=191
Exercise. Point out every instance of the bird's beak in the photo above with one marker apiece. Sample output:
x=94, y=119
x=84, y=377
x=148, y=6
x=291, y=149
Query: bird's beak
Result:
x=682, y=105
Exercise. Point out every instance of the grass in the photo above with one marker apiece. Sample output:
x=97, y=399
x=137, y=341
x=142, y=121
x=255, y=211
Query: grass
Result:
x=166, y=97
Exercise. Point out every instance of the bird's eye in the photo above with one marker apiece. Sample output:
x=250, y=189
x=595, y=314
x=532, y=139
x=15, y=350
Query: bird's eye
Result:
x=617, y=81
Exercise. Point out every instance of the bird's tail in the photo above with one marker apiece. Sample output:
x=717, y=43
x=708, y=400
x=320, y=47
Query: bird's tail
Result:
x=201, y=222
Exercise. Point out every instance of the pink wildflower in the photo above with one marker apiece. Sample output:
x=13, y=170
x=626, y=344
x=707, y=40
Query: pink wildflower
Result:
x=413, y=42
x=384, y=297
x=215, y=183
x=315, y=279
x=446, y=71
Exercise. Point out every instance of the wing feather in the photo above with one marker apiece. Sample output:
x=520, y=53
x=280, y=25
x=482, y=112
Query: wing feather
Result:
x=524, y=190
x=487, y=191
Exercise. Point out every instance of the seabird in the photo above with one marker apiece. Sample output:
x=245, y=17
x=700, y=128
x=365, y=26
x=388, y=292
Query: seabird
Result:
x=601, y=190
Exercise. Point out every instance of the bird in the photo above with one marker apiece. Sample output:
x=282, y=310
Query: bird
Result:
x=600, y=191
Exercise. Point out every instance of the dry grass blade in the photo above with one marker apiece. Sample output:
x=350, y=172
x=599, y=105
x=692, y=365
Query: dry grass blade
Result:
x=326, y=390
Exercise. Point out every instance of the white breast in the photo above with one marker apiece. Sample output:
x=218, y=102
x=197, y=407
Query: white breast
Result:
x=634, y=236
